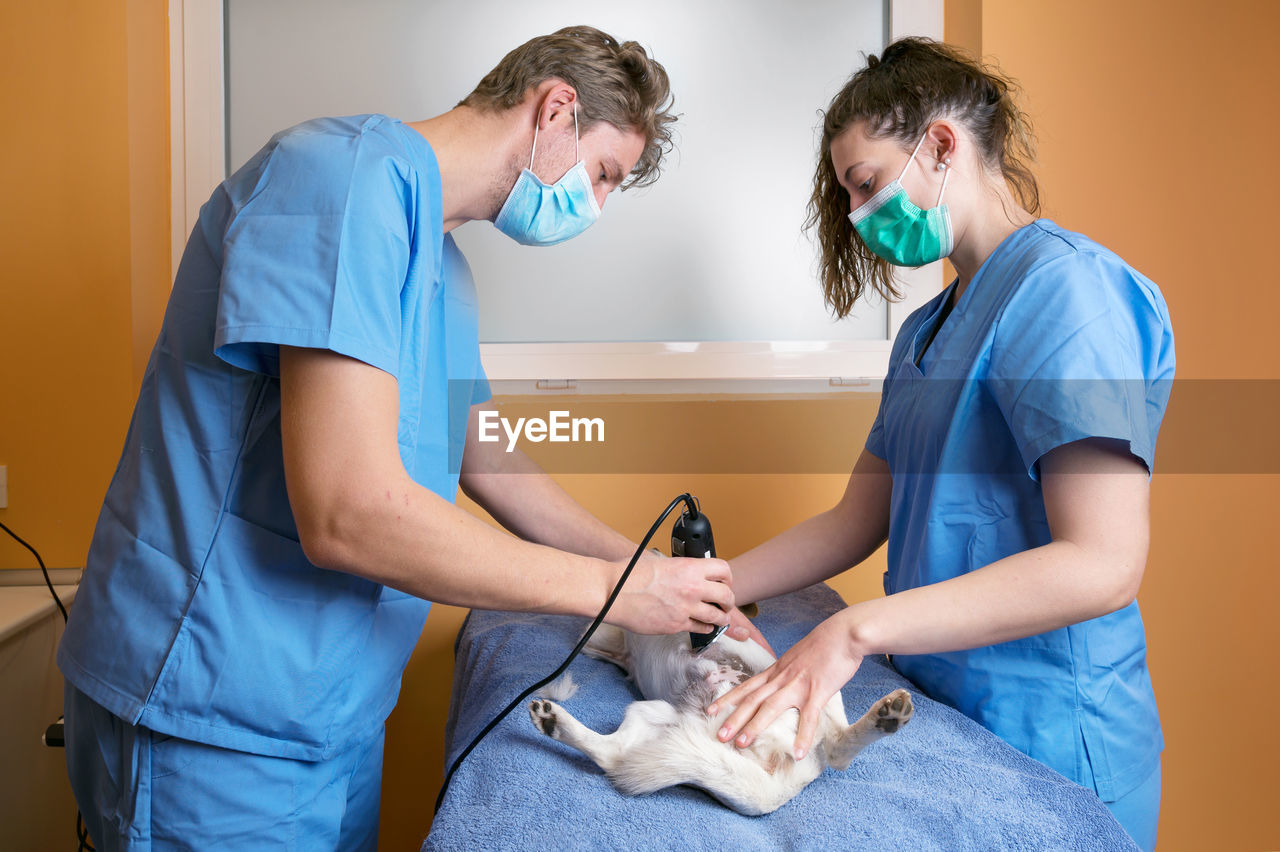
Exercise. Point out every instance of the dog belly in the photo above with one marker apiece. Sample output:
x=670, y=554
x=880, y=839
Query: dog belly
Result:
x=665, y=668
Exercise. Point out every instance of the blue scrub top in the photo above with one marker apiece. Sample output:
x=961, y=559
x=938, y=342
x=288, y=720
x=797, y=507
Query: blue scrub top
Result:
x=1056, y=339
x=198, y=614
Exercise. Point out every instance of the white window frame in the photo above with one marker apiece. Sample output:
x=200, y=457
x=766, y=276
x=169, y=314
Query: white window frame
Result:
x=197, y=110
x=197, y=127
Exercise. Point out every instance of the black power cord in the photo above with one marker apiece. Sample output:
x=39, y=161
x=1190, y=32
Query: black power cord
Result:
x=43, y=570
x=82, y=834
x=53, y=736
x=692, y=505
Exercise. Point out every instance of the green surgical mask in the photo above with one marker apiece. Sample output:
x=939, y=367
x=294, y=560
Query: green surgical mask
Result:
x=898, y=230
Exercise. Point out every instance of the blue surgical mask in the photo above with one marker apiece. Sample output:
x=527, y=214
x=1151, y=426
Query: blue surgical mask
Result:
x=536, y=214
x=899, y=231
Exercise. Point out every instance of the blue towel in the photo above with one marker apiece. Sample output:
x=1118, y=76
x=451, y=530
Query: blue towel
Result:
x=943, y=782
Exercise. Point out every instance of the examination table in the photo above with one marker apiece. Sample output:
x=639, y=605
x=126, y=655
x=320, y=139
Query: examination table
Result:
x=943, y=782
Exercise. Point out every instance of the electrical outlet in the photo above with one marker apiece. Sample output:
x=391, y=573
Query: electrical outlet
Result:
x=4, y=486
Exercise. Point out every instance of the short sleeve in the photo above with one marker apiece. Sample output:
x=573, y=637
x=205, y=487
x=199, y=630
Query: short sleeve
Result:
x=1082, y=350
x=875, y=438
x=318, y=255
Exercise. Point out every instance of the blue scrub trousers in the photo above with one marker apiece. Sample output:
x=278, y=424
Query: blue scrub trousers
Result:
x=140, y=790
x=1138, y=811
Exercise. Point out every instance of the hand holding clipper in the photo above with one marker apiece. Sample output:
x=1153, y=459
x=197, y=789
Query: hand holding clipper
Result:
x=691, y=537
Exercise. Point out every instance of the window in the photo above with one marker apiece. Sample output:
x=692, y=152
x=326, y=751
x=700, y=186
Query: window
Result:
x=704, y=277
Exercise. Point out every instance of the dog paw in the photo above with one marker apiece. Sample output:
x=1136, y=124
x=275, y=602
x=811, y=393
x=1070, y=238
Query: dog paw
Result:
x=893, y=711
x=543, y=713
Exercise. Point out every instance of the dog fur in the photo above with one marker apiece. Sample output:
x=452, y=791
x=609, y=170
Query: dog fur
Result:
x=669, y=739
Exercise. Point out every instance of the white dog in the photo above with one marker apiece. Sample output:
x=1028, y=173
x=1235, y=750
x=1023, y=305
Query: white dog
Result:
x=669, y=739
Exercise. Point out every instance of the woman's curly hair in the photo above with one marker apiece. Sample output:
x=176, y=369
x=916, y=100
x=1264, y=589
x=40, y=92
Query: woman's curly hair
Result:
x=914, y=82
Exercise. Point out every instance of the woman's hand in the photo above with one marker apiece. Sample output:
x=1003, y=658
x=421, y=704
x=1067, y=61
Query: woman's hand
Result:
x=741, y=628
x=805, y=678
x=673, y=595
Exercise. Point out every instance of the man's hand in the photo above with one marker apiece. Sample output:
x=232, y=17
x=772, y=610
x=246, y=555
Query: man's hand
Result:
x=673, y=595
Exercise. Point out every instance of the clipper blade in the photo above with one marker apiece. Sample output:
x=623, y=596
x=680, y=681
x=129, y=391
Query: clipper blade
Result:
x=702, y=641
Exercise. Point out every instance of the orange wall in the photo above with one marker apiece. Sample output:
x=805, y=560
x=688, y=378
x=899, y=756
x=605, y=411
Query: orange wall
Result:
x=1156, y=123
x=84, y=242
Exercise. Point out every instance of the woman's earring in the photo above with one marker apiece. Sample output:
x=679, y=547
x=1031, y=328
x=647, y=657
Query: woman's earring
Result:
x=942, y=166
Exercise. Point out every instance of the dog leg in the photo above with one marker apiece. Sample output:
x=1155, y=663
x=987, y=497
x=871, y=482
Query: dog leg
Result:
x=641, y=722
x=885, y=717
x=609, y=643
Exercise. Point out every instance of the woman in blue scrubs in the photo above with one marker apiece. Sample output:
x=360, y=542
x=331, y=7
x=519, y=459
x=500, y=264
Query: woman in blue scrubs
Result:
x=1009, y=464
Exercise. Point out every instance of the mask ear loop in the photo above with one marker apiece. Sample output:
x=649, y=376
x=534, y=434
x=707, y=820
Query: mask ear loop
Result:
x=533, y=150
x=946, y=170
x=903, y=173
x=576, y=158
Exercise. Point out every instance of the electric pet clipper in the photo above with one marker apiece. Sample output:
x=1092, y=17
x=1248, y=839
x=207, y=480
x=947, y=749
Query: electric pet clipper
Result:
x=691, y=537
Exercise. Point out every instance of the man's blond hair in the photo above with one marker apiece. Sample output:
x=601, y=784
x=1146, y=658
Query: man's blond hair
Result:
x=618, y=83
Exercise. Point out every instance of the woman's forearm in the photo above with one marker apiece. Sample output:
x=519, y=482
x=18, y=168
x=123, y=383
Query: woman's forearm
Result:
x=1025, y=594
x=826, y=544
x=530, y=504
x=1097, y=500
x=810, y=552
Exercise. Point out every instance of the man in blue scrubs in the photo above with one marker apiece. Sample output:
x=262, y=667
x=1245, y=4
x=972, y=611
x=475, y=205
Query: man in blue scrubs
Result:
x=282, y=513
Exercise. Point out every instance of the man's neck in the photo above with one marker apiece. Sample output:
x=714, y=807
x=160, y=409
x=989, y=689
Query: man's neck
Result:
x=478, y=153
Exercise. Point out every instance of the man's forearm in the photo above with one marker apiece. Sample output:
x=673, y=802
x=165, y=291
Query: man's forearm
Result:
x=530, y=504
x=406, y=537
x=357, y=510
